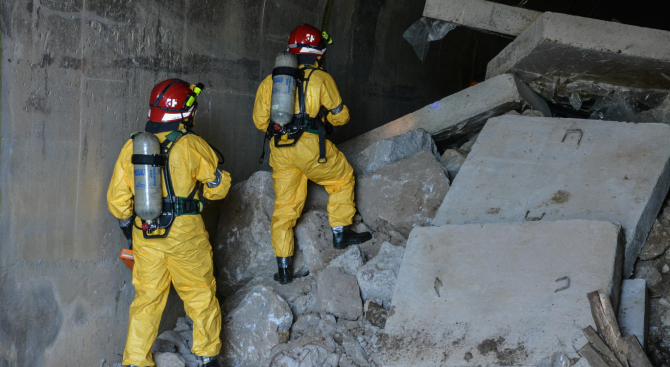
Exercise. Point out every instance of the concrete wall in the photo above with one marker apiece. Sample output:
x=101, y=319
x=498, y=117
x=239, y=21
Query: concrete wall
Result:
x=75, y=81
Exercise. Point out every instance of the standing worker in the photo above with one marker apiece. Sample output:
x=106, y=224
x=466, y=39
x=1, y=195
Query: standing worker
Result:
x=173, y=245
x=299, y=150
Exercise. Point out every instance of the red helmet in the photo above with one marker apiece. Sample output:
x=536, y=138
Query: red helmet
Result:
x=308, y=40
x=173, y=100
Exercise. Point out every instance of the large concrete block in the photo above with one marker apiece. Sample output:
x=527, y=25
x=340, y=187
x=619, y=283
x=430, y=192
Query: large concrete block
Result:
x=458, y=116
x=485, y=15
x=575, y=48
x=486, y=295
x=525, y=169
x=633, y=316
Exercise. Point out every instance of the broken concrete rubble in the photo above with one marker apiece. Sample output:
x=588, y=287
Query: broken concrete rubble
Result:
x=313, y=242
x=338, y=294
x=484, y=15
x=453, y=159
x=243, y=249
x=377, y=278
x=350, y=261
x=512, y=313
x=633, y=315
x=574, y=58
x=255, y=319
x=528, y=169
x=404, y=194
x=456, y=117
x=657, y=242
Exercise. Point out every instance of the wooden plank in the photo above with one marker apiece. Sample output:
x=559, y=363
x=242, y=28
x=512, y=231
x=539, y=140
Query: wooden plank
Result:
x=635, y=354
x=592, y=356
x=600, y=345
x=608, y=328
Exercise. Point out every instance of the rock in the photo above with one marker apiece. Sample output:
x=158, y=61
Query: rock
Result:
x=532, y=113
x=355, y=352
x=243, y=249
x=306, y=353
x=168, y=360
x=377, y=278
x=392, y=150
x=256, y=319
x=163, y=346
x=665, y=268
x=313, y=326
x=173, y=338
x=666, y=319
x=185, y=329
x=405, y=194
x=452, y=160
x=375, y=314
x=657, y=242
x=338, y=294
x=314, y=238
x=664, y=302
x=299, y=294
x=349, y=261
x=467, y=146
x=649, y=273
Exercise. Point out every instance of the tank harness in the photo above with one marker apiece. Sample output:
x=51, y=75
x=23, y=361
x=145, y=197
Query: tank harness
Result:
x=173, y=205
x=288, y=136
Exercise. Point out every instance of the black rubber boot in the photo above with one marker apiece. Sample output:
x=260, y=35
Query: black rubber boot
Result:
x=284, y=274
x=210, y=362
x=346, y=237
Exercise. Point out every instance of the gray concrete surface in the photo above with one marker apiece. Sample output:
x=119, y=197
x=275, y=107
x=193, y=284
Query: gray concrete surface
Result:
x=520, y=169
x=633, y=314
x=484, y=295
x=575, y=48
x=456, y=117
x=75, y=79
x=480, y=14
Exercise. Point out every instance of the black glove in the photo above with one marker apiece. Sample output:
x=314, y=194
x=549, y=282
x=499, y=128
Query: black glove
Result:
x=127, y=227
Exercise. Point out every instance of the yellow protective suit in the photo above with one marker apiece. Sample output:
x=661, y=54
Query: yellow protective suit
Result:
x=184, y=257
x=293, y=166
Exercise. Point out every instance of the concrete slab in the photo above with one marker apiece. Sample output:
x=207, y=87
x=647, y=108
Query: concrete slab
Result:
x=633, y=309
x=485, y=295
x=484, y=15
x=574, y=48
x=457, y=116
x=532, y=168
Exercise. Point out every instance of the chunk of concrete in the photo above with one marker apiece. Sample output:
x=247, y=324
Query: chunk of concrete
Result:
x=452, y=160
x=527, y=169
x=484, y=15
x=633, y=309
x=404, y=194
x=377, y=278
x=487, y=293
x=392, y=150
x=338, y=294
x=574, y=48
x=457, y=117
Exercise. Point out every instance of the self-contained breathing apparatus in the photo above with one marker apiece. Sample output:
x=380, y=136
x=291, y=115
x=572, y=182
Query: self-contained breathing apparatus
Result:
x=151, y=168
x=286, y=78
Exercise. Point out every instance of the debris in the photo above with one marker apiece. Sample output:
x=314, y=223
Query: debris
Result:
x=168, y=360
x=393, y=149
x=314, y=240
x=406, y=194
x=424, y=31
x=657, y=242
x=377, y=278
x=498, y=175
x=349, y=261
x=650, y=274
x=255, y=320
x=243, y=250
x=375, y=314
x=338, y=294
x=453, y=159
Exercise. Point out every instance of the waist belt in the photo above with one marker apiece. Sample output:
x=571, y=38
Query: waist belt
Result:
x=183, y=206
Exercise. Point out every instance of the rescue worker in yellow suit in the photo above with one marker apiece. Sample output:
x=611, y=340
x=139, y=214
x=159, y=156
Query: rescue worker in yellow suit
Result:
x=184, y=256
x=293, y=165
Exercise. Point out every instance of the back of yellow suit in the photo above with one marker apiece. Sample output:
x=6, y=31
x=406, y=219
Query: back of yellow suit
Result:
x=183, y=258
x=293, y=166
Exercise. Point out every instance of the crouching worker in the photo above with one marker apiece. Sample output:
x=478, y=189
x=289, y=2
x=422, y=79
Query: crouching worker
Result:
x=293, y=107
x=159, y=184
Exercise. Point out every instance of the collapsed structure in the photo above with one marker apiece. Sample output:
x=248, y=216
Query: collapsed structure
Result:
x=534, y=213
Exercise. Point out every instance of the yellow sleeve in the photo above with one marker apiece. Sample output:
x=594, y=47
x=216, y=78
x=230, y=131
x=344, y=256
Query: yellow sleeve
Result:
x=120, y=193
x=262, y=104
x=331, y=99
x=204, y=162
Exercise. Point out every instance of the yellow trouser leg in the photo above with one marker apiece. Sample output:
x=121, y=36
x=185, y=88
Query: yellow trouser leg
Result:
x=337, y=177
x=152, y=284
x=290, y=186
x=193, y=277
